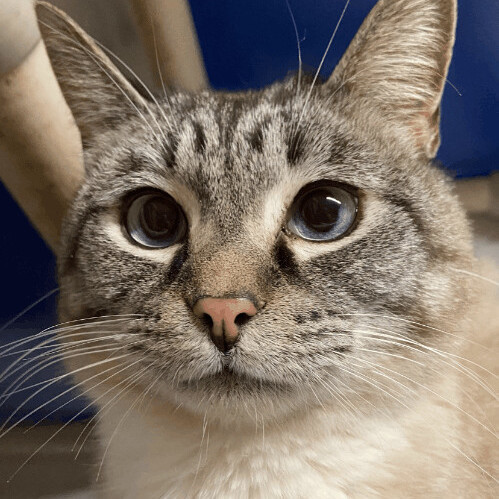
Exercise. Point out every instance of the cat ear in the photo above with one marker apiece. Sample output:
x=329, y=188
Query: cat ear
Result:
x=95, y=90
x=398, y=62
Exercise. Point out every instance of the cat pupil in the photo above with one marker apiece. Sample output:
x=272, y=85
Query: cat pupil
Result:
x=154, y=220
x=158, y=217
x=320, y=211
x=323, y=212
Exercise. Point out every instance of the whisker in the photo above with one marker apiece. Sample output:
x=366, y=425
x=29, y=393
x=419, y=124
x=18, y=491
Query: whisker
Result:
x=119, y=424
x=349, y=388
x=120, y=421
x=83, y=393
x=318, y=399
x=442, y=353
x=109, y=404
x=28, y=308
x=67, y=326
x=477, y=276
x=375, y=367
x=428, y=368
x=343, y=401
x=49, y=382
x=424, y=387
x=48, y=348
x=30, y=387
x=307, y=98
x=472, y=461
x=415, y=323
x=371, y=382
x=23, y=464
x=293, y=20
x=158, y=66
x=8, y=372
x=446, y=355
x=4, y=431
x=401, y=341
x=100, y=64
x=146, y=88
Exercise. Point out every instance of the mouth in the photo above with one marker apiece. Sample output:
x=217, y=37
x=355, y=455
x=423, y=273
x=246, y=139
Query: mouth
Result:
x=228, y=381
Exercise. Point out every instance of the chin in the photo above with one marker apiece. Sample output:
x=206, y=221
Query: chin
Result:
x=231, y=397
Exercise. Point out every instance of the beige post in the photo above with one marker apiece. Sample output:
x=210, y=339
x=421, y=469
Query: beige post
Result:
x=40, y=147
x=171, y=41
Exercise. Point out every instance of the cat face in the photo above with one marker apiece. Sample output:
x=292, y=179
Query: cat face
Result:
x=224, y=197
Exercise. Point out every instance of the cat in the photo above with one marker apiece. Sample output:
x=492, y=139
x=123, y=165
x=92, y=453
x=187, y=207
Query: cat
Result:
x=278, y=282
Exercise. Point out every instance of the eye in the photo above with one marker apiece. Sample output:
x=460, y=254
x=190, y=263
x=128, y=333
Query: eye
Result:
x=154, y=219
x=323, y=212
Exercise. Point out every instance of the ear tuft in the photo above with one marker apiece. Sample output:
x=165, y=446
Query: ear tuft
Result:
x=95, y=90
x=398, y=62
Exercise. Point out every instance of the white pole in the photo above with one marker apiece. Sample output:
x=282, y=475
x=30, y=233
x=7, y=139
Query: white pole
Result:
x=40, y=147
x=171, y=41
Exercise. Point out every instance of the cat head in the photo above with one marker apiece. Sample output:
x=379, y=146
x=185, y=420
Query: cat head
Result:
x=273, y=245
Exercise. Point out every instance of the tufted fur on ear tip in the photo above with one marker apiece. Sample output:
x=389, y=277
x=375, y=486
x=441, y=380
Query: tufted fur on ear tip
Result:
x=95, y=90
x=398, y=62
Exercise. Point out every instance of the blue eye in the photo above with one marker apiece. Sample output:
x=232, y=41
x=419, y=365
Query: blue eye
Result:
x=155, y=220
x=323, y=213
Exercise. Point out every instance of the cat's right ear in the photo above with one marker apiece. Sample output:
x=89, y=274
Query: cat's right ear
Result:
x=96, y=91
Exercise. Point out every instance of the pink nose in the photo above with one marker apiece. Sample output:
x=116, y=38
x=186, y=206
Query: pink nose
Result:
x=224, y=316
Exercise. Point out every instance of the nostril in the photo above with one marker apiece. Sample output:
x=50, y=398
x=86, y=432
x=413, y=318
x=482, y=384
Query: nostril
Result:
x=241, y=319
x=207, y=320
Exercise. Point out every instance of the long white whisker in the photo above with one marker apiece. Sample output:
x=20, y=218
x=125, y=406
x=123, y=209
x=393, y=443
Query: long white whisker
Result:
x=120, y=422
x=407, y=343
x=28, y=308
x=128, y=381
x=83, y=393
x=50, y=382
x=307, y=98
x=336, y=395
x=370, y=381
x=427, y=368
x=34, y=385
x=47, y=362
x=46, y=442
x=4, y=431
x=158, y=65
x=424, y=387
x=377, y=371
x=128, y=68
x=472, y=461
x=477, y=276
x=293, y=20
x=415, y=323
x=99, y=64
x=67, y=327
x=441, y=353
x=49, y=348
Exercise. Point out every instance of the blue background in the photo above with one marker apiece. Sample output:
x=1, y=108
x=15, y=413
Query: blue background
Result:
x=248, y=44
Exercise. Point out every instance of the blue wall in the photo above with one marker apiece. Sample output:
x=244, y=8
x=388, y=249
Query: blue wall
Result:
x=252, y=43
x=247, y=44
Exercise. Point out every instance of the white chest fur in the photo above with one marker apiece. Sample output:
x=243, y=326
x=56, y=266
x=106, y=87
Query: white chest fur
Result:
x=173, y=455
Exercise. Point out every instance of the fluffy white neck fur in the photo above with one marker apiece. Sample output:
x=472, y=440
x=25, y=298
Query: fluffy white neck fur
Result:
x=163, y=453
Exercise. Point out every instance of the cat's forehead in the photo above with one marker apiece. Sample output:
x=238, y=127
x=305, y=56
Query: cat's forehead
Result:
x=223, y=143
x=226, y=156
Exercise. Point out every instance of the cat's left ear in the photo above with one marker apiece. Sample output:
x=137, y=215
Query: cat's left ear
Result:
x=398, y=62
